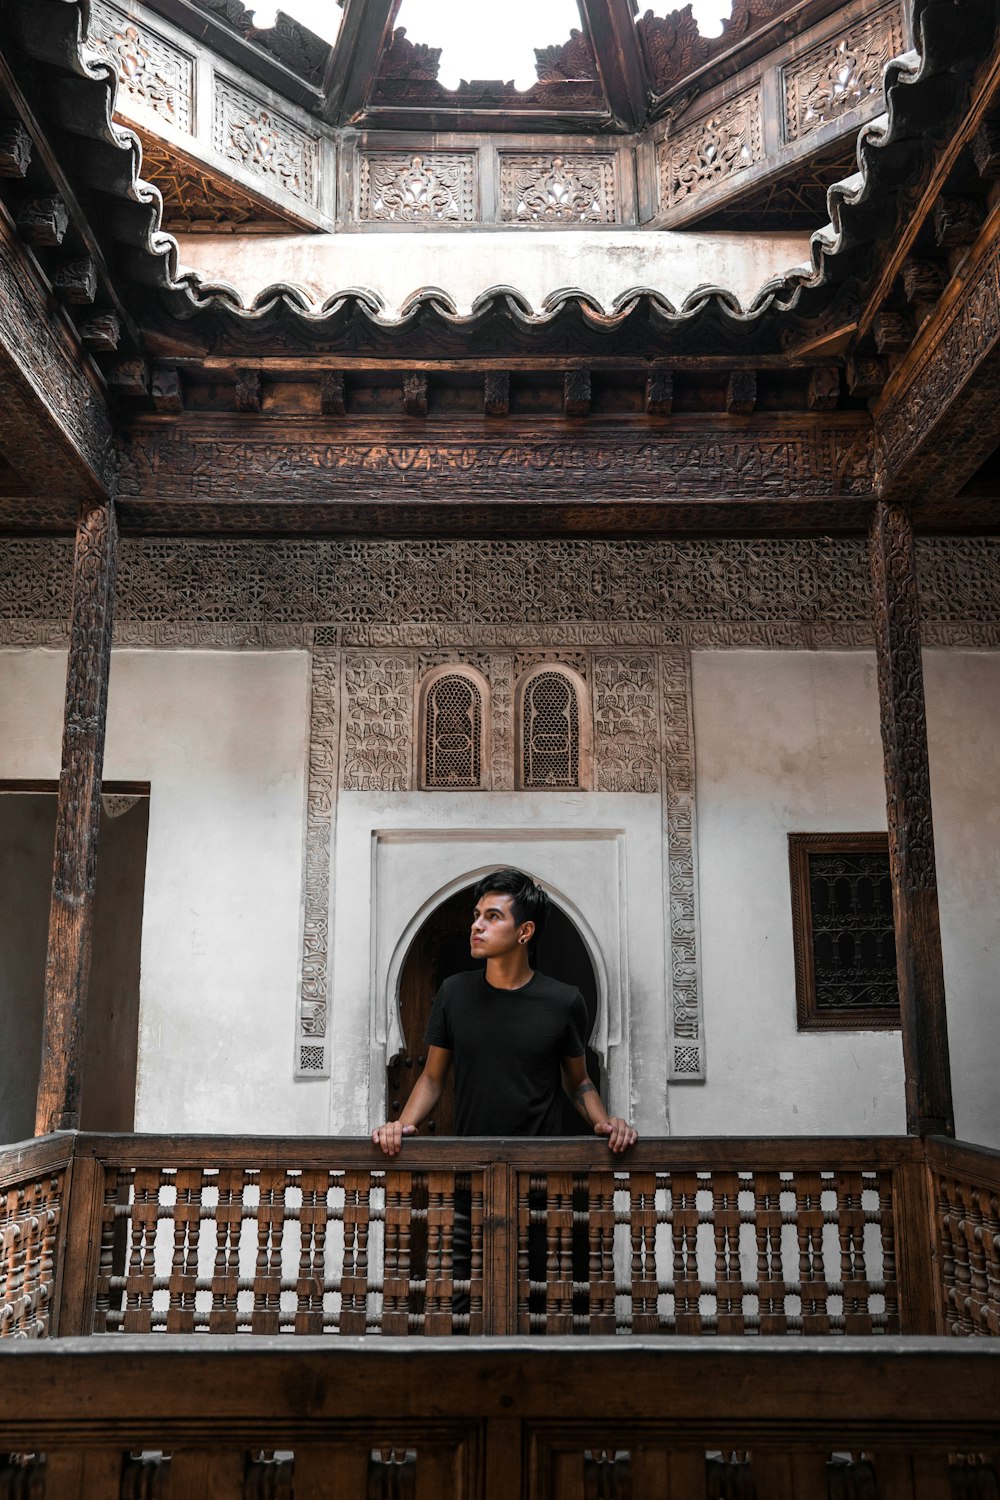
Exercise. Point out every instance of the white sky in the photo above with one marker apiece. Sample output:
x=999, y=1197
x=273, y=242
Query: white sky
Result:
x=481, y=41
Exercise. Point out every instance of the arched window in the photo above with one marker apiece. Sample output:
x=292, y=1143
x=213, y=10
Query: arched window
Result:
x=452, y=730
x=551, y=726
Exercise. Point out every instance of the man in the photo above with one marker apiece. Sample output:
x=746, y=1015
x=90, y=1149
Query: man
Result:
x=517, y=1038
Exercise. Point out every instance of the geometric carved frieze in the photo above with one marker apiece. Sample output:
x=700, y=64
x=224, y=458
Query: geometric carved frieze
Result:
x=712, y=149
x=841, y=73
x=265, y=142
x=152, y=72
x=433, y=187
x=509, y=596
x=560, y=189
x=196, y=198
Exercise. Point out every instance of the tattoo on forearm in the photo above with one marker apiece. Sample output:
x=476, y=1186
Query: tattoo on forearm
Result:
x=585, y=1088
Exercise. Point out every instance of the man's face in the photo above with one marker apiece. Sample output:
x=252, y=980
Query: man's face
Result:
x=494, y=930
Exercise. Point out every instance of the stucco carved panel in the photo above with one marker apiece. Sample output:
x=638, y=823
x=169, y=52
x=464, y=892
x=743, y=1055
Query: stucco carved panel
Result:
x=434, y=187
x=152, y=72
x=712, y=149
x=626, y=724
x=378, y=723
x=842, y=73
x=557, y=189
x=263, y=141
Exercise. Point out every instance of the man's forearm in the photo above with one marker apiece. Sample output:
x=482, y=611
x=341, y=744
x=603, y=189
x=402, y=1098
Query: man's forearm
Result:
x=426, y=1093
x=587, y=1102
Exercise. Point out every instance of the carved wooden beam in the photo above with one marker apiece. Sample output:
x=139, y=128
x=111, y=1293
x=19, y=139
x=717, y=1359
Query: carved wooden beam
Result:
x=75, y=281
x=983, y=92
x=29, y=98
x=54, y=420
x=415, y=388
x=332, y=398
x=823, y=391
x=166, y=390
x=42, y=221
x=938, y=418
x=896, y=612
x=249, y=392
x=496, y=393
x=216, y=473
x=576, y=393
x=616, y=44
x=659, y=400
x=355, y=58
x=101, y=332
x=15, y=149
x=67, y=964
x=741, y=392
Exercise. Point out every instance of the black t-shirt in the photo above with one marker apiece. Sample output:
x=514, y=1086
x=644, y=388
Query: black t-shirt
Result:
x=507, y=1046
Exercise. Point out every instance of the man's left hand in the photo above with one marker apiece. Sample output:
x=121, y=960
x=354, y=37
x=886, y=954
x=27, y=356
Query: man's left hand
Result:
x=618, y=1131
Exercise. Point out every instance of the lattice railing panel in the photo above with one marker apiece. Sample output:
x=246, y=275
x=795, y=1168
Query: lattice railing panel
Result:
x=704, y=1252
x=968, y=1226
x=238, y=1249
x=30, y=1214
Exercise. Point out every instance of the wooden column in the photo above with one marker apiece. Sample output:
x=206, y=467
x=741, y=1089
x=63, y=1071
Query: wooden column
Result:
x=67, y=965
x=896, y=612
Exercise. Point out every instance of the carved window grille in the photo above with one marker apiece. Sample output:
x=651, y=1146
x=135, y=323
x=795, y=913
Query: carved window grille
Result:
x=453, y=732
x=842, y=923
x=550, y=725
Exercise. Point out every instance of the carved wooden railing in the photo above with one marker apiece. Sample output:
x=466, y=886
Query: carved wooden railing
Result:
x=500, y=1419
x=146, y=1234
x=313, y=1237
x=33, y=1183
x=965, y=1202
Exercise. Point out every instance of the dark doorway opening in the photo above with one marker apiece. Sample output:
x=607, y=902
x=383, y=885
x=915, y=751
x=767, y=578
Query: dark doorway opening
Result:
x=27, y=838
x=441, y=948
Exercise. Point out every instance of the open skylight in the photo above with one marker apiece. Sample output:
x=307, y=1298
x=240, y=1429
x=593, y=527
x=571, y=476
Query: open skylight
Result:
x=486, y=42
x=477, y=43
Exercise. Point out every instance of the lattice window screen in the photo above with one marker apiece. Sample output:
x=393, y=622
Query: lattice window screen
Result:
x=453, y=733
x=550, y=732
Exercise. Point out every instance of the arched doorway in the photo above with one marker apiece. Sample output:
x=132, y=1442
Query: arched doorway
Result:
x=441, y=948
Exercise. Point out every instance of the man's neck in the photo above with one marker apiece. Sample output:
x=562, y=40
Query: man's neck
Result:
x=509, y=971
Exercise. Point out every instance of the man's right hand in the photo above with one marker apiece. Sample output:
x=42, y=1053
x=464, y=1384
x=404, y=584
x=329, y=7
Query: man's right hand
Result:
x=390, y=1136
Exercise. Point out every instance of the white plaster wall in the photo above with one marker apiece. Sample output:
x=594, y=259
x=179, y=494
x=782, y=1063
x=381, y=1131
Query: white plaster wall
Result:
x=604, y=265
x=789, y=742
x=963, y=731
x=221, y=737
x=603, y=851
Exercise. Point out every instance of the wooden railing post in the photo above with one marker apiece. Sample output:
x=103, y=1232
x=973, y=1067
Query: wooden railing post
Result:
x=67, y=965
x=896, y=612
x=500, y=1249
x=81, y=1248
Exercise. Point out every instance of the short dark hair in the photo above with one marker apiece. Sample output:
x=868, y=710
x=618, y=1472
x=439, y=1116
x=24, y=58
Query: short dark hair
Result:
x=528, y=901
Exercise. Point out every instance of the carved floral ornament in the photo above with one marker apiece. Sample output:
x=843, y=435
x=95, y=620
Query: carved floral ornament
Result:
x=151, y=70
x=264, y=142
x=557, y=189
x=842, y=73
x=712, y=149
x=432, y=188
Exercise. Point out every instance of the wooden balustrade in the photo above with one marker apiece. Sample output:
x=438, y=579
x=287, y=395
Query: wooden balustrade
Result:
x=500, y=1419
x=965, y=1203
x=32, y=1229
x=146, y=1235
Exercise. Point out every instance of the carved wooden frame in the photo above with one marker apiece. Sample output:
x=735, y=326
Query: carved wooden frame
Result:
x=482, y=686
x=800, y=846
x=584, y=719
